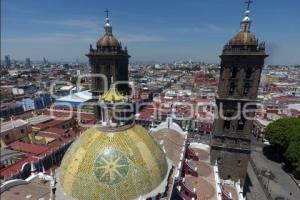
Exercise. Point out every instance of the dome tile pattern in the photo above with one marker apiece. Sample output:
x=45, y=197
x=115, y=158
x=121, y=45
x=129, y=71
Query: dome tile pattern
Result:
x=117, y=165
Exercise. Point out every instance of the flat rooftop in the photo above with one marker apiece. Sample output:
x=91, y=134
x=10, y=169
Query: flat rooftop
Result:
x=9, y=125
x=37, y=189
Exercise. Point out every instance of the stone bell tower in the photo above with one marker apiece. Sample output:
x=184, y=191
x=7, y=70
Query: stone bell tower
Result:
x=242, y=61
x=108, y=60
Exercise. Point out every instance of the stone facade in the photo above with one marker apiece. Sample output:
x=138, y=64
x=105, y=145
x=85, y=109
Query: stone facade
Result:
x=242, y=61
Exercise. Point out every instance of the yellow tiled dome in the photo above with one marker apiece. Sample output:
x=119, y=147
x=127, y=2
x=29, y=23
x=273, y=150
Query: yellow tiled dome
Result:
x=117, y=165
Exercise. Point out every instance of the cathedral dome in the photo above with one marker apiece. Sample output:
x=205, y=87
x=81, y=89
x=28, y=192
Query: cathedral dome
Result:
x=108, y=41
x=243, y=38
x=124, y=164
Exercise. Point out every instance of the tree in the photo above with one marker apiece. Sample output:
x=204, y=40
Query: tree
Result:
x=297, y=169
x=285, y=134
x=282, y=131
x=293, y=152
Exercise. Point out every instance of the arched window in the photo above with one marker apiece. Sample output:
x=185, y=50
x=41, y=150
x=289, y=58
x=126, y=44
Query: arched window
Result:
x=7, y=137
x=227, y=121
x=108, y=70
x=239, y=162
x=241, y=124
x=248, y=73
x=233, y=72
x=232, y=88
x=246, y=88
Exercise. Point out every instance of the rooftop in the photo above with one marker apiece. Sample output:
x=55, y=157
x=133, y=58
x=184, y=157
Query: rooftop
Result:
x=39, y=119
x=6, y=126
x=7, y=154
x=79, y=97
x=37, y=189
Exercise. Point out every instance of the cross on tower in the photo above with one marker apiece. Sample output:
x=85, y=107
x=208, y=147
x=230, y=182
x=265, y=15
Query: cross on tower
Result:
x=106, y=11
x=248, y=4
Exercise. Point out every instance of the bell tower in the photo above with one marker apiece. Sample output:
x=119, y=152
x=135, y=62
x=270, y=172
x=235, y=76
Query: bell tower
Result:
x=242, y=61
x=109, y=63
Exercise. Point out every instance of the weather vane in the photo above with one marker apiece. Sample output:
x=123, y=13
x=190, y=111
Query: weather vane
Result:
x=248, y=4
x=106, y=11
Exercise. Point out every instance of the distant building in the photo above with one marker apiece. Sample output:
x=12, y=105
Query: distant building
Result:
x=27, y=62
x=74, y=99
x=42, y=100
x=24, y=89
x=45, y=62
x=7, y=61
x=37, y=101
x=9, y=109
x=14, y=130
x=26, y=103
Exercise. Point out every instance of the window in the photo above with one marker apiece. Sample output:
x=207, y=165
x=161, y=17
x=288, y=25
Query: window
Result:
x=226, y=124
x=233, y=72
x=108, y=70
x=22, y=131
x=227, y=121
x=239, y=162
x=241, y=124
x=248, y=73
x=232, y=88
x=7, y=137
x=246, y=88
x=219, y=160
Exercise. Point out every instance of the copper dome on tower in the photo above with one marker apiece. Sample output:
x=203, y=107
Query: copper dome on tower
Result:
x=244, y=38
x=108, y=40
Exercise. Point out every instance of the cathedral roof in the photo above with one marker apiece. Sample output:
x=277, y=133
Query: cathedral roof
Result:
x=124, y=164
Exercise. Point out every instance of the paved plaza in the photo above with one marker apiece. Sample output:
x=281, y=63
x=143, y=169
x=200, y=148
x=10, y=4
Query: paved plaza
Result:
x=279, y=183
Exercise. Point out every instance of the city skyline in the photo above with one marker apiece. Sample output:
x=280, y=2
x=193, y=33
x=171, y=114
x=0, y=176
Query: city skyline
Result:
x=42, y=29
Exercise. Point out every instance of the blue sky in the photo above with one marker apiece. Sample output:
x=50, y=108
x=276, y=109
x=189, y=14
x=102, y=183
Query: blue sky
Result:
x=156, y=30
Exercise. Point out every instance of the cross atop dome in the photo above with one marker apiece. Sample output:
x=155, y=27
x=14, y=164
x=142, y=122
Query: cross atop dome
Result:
x=107, y=26
x=246, y=22
x=248, y=4
x=106, y=11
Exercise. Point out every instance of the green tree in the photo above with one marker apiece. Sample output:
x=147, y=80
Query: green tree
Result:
x=293, y=152
x=276, y=134
x=285, y=134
